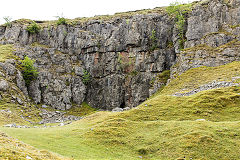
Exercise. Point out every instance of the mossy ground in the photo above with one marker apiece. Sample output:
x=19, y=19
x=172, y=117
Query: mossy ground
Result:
x=82, y=110
x=163, y=127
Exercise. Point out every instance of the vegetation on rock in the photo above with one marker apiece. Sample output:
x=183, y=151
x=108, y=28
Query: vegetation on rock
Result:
x=179, y=11
x=153, y=39
x=86, y=78
x=61, y=21
x=33, y=28
x=29, y=71
x=82, y=110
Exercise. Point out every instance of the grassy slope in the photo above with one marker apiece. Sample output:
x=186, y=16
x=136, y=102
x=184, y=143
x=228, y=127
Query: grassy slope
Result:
x=15, y=150
x=196, y=77
x=124, y=139
x=163, y=127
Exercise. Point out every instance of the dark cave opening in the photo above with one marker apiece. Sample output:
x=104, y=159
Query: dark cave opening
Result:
x=122, y=104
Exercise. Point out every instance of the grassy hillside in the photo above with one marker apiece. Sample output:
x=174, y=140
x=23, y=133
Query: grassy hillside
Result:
x=117, y=138
x=163, y=127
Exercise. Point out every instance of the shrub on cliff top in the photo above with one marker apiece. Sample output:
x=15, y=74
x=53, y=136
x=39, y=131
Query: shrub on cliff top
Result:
x=33, y=28
x=61, y=21
x=29, y=71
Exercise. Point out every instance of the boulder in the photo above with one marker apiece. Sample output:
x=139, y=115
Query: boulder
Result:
x=117, y=109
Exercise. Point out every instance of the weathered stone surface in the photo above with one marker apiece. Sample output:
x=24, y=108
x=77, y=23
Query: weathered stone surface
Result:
x=21, y=83
x=3, y=85
x=78, y=91
x=210, y=18
x=10, y=125
x=9, y=68
x=34, y=91
x=44, y=106
x=212, y=36
x=79, y=71
x=19, y=100
x=119, y=72
x=205, y=56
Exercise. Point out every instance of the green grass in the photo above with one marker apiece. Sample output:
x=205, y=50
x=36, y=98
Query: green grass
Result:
x=214, y=105
x=164, y=129
x=116, y=138
x=15, y=150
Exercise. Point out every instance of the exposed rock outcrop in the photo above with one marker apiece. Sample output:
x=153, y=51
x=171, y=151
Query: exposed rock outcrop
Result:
x=212, y=36
x=115, y=53
x=111, y=63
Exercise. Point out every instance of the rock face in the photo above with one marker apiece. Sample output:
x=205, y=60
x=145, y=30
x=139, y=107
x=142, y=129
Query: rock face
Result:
x=213, y=35
x=112, y=63
x=115, y=54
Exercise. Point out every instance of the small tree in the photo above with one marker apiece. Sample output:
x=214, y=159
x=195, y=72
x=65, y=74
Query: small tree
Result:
x=153, y=39
x=29, y=71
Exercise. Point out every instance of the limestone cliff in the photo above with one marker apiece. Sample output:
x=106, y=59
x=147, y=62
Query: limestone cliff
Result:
x=212, y=37
x=123, y=55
